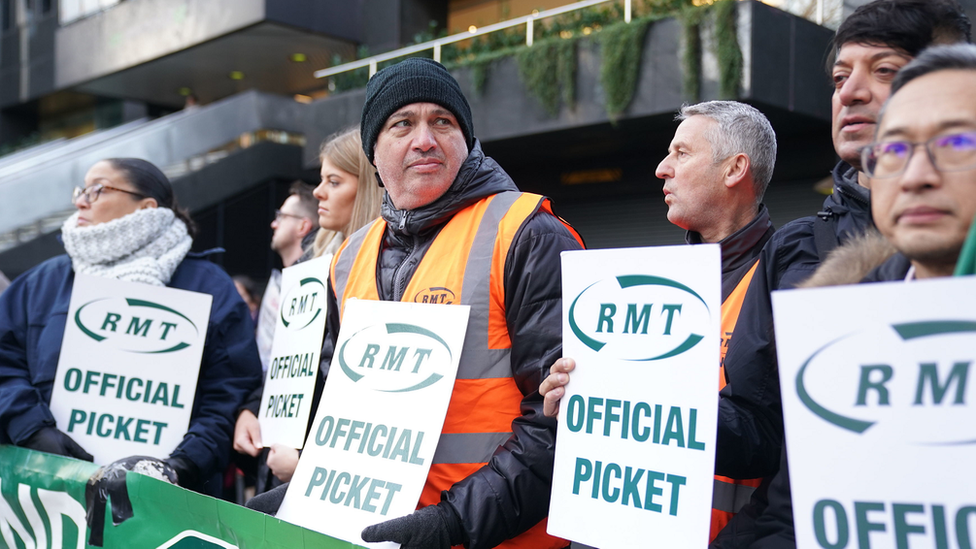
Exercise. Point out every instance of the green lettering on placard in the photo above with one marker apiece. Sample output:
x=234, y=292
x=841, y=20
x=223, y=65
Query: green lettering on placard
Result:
x=820, y=527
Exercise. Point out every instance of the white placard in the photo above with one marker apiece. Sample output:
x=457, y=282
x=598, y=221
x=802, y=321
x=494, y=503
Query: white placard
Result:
x=128, y=368
x=635, y=455
x=381, y=414
x=878, y=399
x=289, y=382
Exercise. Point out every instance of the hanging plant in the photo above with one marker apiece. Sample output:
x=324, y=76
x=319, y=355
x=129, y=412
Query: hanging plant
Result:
x=727, y=49
x=548, y=70
x=691, y=54
x=621, y=46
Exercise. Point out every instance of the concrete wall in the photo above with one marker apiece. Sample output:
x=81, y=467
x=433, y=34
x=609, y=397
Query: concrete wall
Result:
x=141, y=30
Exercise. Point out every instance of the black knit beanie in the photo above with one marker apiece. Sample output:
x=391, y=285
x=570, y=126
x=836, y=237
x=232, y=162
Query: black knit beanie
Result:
x=414, y=80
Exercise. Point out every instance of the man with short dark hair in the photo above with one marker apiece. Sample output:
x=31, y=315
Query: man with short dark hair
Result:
x=295, y=224
x=922, y=171
x=868, y=50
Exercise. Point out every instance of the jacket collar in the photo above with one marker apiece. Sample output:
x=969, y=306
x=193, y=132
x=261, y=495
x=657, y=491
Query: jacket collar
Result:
x=743, y=245
x=479, y=177
x=848, y=194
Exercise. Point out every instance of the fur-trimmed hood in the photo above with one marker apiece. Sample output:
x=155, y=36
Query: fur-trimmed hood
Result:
x=851, y=262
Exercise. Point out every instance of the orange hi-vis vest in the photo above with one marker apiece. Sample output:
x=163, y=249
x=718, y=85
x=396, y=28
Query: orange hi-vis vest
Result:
x=465, y=264
x=729, y=495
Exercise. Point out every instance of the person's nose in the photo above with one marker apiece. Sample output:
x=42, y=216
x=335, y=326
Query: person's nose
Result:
x=856, y=89
x=664, y=169
x=82, y=202
x=424, y=139
x=920, y=171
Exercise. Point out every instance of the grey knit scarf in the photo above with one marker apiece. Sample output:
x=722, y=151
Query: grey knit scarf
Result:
x=144, y=246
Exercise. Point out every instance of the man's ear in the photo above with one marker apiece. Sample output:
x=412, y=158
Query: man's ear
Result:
x=307, y=226
x=738, y=168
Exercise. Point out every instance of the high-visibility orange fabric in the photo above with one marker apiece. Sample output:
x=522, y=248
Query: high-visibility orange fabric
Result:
x=483, y=406
x=486, y=404
x=730, y=315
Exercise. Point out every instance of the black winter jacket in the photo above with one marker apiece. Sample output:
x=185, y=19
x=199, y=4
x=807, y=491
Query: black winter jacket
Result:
x=750, y=414
x=510, y=494
x=740, y=249
x=774, y=528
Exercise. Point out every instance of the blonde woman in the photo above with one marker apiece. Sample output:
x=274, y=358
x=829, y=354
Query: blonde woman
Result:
x=349, y=196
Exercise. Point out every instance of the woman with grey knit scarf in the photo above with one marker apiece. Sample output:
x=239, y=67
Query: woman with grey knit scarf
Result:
x=128, y=227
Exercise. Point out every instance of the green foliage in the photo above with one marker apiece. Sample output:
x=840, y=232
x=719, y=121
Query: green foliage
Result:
x=350, y=80
x=691, y=19
x=727, y=49
x=548, y=67
x=621, y=47
x=691, y=61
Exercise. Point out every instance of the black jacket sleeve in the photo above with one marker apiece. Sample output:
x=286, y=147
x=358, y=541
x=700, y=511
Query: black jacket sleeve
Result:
x=511, y=494
x=774, y=527
x=750, y=426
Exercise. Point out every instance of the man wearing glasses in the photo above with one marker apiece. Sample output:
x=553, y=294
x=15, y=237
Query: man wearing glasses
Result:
x=295, y=224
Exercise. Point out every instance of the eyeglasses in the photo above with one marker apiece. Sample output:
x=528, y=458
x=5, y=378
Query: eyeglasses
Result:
x=948, y=153
x=92, y=193
x=279, y=214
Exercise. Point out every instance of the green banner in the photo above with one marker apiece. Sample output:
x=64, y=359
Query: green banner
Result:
x=42, y=505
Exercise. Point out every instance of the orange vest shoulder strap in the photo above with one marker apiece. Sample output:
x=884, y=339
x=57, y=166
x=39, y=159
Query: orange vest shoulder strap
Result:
x=730, y=315
x=357, y=255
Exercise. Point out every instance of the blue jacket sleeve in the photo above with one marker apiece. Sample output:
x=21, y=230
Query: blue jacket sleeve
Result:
x=33, y=311
x=23, y=409
x=229, y=371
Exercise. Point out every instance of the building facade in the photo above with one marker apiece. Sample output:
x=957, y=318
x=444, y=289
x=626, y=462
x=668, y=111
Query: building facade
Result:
x=221, y=95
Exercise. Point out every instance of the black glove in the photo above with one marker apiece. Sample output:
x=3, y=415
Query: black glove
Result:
x=433, y=527
x=187, y=473
x=268, y=502
x=53, y=441
x=109, y=482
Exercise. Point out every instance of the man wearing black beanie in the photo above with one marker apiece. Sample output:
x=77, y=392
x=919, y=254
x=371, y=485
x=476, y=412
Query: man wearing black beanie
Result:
x=455, y=229
x=448, y=208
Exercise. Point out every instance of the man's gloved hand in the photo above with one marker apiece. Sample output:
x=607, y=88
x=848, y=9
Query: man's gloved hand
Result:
x=268, y=502
x=108, y=482
x=53, y=441
x=433, y=527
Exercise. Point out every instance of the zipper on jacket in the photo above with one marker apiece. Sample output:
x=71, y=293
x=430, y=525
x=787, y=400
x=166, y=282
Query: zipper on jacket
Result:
x=400, y=282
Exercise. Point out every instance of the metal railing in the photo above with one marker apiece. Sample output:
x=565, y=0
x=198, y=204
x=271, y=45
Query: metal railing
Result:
x=437, y=44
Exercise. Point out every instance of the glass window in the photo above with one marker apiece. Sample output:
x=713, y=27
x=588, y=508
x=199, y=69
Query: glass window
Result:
x=72, y=10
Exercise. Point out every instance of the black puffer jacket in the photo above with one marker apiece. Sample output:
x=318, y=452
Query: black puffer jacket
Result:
x=751, y=413
x=510, y=494
x=774, y=528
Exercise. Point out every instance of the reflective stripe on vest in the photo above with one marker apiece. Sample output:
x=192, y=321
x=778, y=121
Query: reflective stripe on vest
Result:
x=466, y=260
x=730, y=495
